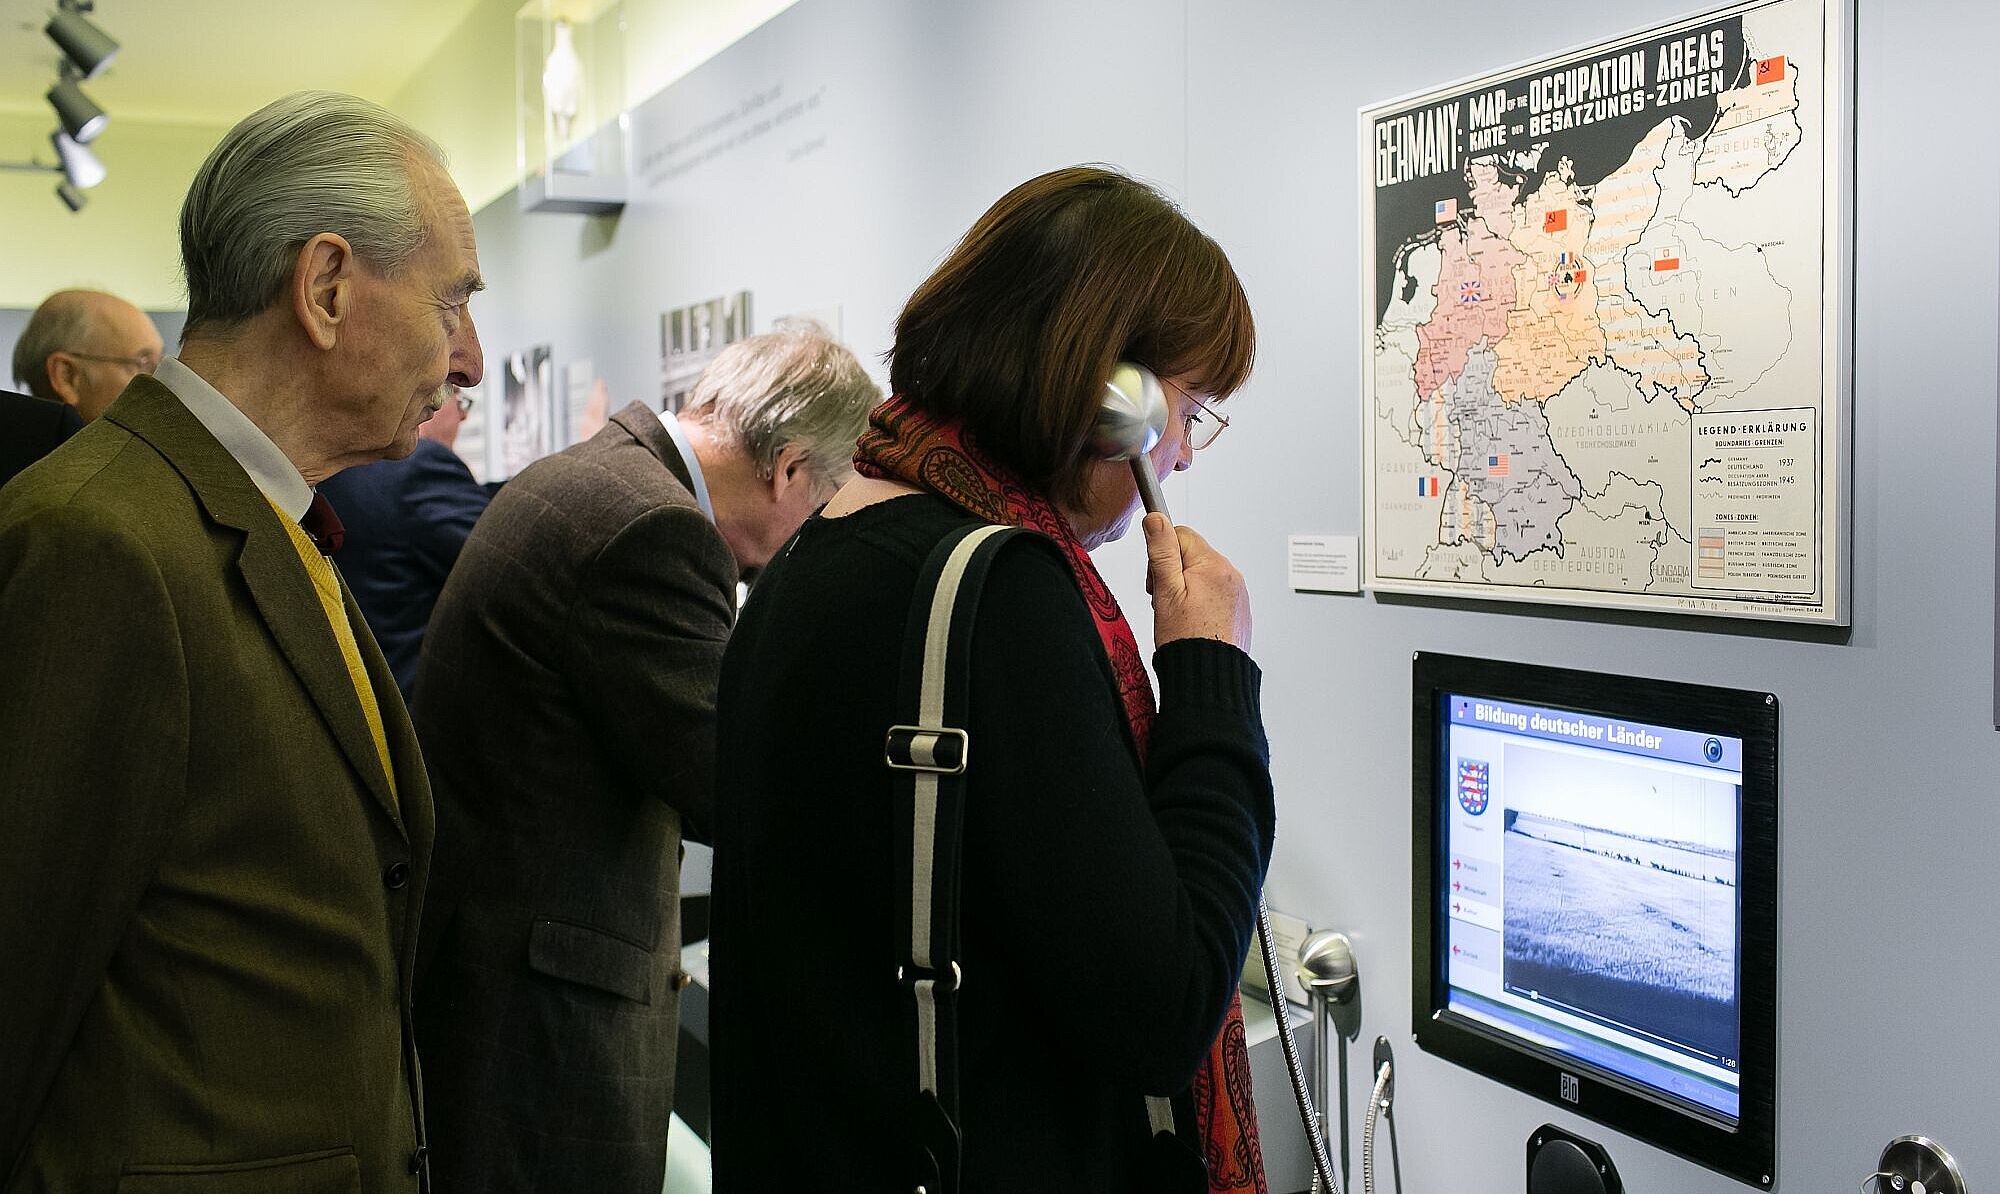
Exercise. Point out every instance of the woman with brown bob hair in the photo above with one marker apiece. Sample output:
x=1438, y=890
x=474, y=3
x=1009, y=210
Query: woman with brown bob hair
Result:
x=1111, y=849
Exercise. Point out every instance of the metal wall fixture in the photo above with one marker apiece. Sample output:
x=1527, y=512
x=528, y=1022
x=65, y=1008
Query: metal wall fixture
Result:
x=1915, y=1165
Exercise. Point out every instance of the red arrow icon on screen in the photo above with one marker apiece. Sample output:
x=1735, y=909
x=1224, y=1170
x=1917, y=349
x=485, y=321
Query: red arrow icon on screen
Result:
x=1455, y=864
x=1454, y=905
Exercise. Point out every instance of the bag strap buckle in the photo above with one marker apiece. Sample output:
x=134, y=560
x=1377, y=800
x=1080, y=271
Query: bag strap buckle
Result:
x=939, y=750
x=910, y=974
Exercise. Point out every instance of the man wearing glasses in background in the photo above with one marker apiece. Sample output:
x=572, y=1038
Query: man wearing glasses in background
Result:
x=406, y=521
x=83, y=347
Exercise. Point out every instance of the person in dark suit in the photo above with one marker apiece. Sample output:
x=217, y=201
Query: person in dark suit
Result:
x=566, y=704
x=218, y=824
x=30, y=429
x=406, y=521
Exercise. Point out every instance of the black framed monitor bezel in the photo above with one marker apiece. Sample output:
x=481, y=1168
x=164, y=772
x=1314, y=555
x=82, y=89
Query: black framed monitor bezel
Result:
x=1749, y=1151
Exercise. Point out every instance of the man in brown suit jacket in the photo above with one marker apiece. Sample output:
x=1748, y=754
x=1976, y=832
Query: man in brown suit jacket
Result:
x=217, y=824
x=566, y=702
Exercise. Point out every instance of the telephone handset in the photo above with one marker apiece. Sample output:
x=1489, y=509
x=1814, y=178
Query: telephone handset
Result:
x=1131, y=420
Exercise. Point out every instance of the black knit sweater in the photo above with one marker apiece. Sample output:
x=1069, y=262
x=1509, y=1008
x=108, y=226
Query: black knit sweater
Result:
x=1105, y=914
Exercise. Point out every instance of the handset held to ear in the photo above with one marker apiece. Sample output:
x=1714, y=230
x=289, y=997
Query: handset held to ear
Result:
x=1130, y=421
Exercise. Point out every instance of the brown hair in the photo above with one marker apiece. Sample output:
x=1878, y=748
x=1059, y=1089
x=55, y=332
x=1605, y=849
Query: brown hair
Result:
x=1017, y=331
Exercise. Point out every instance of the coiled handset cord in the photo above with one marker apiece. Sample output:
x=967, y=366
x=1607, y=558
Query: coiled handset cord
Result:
x=1378, y=1104
x=1322, y=1167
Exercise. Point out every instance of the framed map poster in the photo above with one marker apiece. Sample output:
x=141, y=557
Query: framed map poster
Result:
x=1606, y=323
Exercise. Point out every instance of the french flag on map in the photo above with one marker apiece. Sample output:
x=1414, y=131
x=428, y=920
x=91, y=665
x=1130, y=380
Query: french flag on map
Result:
x=1447, y=210
x=1427, y=487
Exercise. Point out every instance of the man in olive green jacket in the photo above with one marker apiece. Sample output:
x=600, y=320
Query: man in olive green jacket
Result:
x=215, y=826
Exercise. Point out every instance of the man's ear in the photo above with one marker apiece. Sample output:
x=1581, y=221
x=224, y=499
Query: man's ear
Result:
x=323, y=288
x=65, y=377
x=790, y=469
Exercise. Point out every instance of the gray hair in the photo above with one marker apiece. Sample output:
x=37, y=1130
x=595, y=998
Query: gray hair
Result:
x=62, y=323
x=795, y=384
x=312, y=162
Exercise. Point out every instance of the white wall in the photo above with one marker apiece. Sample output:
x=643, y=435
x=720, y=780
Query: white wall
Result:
x=1245, y=109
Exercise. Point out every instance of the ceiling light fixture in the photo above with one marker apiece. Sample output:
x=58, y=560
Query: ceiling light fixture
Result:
x=80, y=115
x=87, y=47
x=79, y=165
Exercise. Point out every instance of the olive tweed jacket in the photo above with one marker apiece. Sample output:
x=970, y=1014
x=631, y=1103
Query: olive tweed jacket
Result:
x=209, y=895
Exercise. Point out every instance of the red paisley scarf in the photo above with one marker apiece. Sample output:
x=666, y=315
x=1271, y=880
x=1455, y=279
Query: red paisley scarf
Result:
x=905, y=444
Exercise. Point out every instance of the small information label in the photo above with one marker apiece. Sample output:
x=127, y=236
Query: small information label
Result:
x=1323, y=563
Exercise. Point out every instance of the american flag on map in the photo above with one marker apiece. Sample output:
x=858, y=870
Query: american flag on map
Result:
x=1496, y=466
x=1447, y=210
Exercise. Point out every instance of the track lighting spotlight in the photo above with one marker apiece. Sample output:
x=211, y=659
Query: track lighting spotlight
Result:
x=87, y=47
x=80, y=116
x=79, y=165
x=71, y=197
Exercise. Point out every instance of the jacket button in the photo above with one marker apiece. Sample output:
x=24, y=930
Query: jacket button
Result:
x=417, y=1158
x=395, y=875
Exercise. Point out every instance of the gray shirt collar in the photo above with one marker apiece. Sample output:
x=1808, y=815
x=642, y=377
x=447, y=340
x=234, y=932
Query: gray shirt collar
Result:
x=268, y=467
x=679, y=434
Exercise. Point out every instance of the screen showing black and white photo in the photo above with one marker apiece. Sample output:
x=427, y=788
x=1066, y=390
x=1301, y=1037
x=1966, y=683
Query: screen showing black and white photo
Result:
x=1593, y=902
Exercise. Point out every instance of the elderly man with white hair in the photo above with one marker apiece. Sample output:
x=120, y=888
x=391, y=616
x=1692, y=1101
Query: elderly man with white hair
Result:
x=218, y=826
x=567, y=706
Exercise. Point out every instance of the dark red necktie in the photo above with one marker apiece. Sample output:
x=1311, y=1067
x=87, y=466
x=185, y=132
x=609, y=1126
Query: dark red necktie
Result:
x=323, y=525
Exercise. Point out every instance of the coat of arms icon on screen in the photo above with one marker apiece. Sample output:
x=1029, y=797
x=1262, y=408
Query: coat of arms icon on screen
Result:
x=1472, y=786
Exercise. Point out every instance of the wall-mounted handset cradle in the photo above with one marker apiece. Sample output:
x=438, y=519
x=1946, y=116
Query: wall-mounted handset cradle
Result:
x=1129, y=423
x=1327, y=973
x=1315, y=1141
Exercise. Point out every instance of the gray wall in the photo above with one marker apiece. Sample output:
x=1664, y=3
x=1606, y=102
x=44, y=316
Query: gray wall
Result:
x=1245, y=109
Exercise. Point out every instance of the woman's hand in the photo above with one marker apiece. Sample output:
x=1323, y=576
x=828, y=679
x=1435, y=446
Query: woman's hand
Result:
x=1197, y=592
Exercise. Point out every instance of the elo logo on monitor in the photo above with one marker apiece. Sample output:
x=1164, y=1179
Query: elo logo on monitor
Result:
x=1572, y=1089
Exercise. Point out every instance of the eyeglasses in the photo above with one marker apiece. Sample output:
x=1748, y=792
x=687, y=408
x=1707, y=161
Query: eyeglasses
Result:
x=1202, y=425
x=142, y=362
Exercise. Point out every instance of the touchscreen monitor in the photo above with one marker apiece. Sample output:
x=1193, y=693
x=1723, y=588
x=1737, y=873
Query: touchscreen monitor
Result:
x=1595, y=896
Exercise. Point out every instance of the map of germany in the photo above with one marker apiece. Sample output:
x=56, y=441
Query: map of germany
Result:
x=1541, y=353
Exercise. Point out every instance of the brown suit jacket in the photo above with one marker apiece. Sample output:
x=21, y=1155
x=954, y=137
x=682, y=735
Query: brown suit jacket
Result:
x=566, y=701
x=208, y=899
